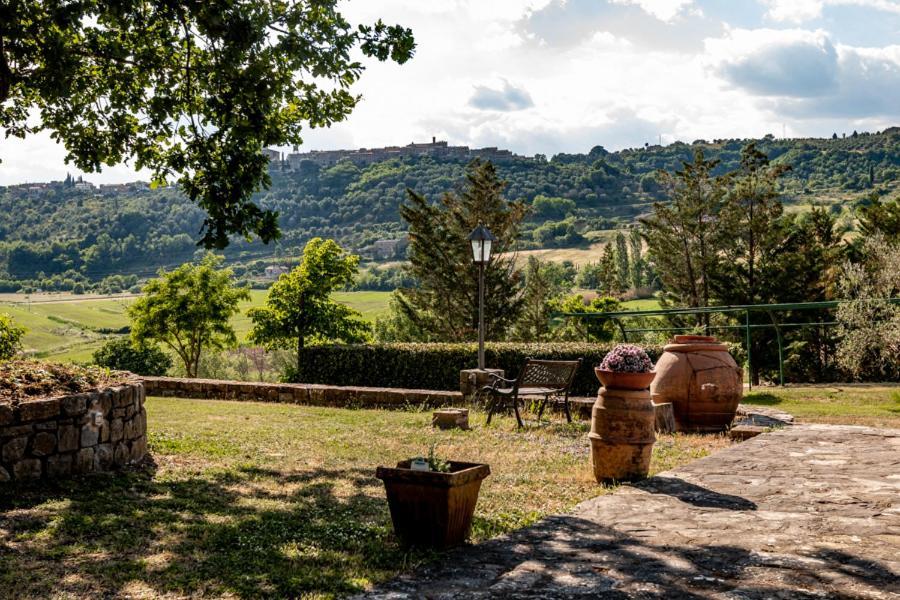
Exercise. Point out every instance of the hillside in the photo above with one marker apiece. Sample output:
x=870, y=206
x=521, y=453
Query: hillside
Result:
x=57, y=235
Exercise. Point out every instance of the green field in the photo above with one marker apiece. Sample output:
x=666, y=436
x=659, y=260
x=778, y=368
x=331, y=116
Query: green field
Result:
x=875, y=405
x=65, y=329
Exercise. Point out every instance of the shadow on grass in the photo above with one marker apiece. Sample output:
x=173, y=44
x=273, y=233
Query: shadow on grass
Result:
x=761, y=399
x=246, y=532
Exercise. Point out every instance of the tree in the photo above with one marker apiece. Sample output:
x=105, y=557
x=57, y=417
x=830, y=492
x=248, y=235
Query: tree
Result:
x=543, y=289
x=609, y=271
x=683, y=235
x=587, y=328
x=623, y=264
x=187, y=89
x=879, y=216
x=10, y=338
x=637, y=258
x=440, y=259
x=188, y=310
x=869, y=326
x=123, y=355
x=755, y=236
x=299, y=307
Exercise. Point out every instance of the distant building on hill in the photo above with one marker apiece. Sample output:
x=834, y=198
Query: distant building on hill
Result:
x=365, y=156
x=275, y=271
x=386, y=249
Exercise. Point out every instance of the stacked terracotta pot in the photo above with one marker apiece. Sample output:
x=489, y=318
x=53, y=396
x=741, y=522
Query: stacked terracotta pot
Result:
x=622, y=427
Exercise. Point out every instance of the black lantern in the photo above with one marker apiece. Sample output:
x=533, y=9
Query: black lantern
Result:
x=481, y=239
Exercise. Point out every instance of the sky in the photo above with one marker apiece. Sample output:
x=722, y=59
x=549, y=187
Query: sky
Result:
x=550, y=76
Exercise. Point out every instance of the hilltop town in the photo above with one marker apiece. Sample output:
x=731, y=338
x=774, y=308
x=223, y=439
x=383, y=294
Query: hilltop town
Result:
x=365, y=156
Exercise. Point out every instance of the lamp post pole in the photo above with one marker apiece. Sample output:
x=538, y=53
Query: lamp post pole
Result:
x=481, y=316
x=481, y=239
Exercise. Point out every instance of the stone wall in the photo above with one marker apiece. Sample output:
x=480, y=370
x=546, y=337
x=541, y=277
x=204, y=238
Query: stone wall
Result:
x=82, y=433
x=300, y=393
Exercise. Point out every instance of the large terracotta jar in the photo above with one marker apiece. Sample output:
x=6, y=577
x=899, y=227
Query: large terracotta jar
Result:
x=622, y=428
x=701, y=380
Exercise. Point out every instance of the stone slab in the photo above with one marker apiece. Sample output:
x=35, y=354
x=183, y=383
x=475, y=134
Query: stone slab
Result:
x=810, y=511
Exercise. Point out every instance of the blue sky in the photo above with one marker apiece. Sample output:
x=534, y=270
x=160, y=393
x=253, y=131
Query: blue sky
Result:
x=548, y=76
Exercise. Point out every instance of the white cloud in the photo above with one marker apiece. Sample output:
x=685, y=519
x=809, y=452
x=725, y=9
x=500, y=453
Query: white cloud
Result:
x=799, y=11
x=664, y=10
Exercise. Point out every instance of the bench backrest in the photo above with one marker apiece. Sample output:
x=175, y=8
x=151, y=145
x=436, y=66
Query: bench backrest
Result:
x=553, y=374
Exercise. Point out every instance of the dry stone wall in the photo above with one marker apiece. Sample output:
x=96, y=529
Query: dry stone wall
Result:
x=300, y=393
x=82, y=433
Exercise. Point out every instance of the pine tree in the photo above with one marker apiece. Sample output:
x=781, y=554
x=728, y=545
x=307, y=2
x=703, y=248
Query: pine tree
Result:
x=636, y=244
x=623, y=263
x=440, y=258
x=609, y=271
x=683, y=235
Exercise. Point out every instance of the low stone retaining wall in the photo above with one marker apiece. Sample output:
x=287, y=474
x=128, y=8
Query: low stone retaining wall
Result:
x=300, y=393
x=81, y=433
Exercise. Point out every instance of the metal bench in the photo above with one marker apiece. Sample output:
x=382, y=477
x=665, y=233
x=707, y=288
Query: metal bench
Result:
x=538, y=378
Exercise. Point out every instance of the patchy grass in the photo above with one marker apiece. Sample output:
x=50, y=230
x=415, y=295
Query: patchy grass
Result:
x=266, y=500
x=872, y=405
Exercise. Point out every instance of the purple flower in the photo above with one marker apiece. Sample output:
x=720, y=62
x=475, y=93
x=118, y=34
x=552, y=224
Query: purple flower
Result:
x=627, y=358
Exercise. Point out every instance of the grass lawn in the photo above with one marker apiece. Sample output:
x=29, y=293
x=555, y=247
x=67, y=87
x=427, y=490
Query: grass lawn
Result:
x=65, y=327
x=252, y=499
x=872, y=405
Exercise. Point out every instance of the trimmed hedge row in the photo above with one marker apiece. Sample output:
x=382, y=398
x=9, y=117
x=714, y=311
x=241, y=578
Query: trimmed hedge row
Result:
x=437, y=366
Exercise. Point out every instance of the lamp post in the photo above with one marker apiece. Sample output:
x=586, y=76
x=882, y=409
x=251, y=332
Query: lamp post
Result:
x=481, y=239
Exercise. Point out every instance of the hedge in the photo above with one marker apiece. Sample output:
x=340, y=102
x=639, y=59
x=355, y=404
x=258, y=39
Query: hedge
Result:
x=437, y=366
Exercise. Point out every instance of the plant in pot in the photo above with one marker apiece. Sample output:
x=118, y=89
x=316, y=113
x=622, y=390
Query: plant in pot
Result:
x=626, y=367
x=432, y=500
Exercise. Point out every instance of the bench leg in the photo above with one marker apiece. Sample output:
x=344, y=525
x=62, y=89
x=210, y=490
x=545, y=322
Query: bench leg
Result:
x=541, y=408
x=568, y=412
x=516, y=410
x=491, y=403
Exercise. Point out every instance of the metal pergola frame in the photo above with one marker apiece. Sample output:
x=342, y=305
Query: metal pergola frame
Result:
x=746, y=309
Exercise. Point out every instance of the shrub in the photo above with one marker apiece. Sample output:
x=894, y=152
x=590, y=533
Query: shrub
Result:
x=10, y=338
x=121, y=355
x=437, y=366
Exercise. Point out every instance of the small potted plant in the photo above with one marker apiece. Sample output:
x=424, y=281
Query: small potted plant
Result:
x=432, y=500
x=626, y=367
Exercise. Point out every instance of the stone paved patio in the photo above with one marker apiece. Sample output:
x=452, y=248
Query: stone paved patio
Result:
x=810, y=511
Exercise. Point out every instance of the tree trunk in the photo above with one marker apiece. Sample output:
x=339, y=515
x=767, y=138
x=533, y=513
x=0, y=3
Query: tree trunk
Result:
x=299, y=348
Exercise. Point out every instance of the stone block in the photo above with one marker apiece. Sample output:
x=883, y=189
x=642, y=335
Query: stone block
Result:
x=130, y=411
x=451, y=418
x=129, y=429
x=73, y=406
x=4, y=475
x=105, y=400
x=138, y=449
x=6, y=414
x=59, y=465
x=103, y=457
x=18, y=430
x=472, y=380
x=14, y=449
x=745, y=432
x=90, y=435
x=84, y=461
x=116, y=430
x=46, y=426
x=69, y=436
x=44, y=444
x=36, y=410
x=124, y=396
x=121, y=454
x=28, y=468
x=118, y=413
x=104, y=432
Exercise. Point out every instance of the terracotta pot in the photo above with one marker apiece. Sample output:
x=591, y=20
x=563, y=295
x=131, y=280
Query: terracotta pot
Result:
x=701, y=380
x=429, y=508
x=622, y=434
x=616, y=380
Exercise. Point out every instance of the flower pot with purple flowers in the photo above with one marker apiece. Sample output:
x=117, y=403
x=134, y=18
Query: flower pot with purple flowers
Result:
x=622, y=421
